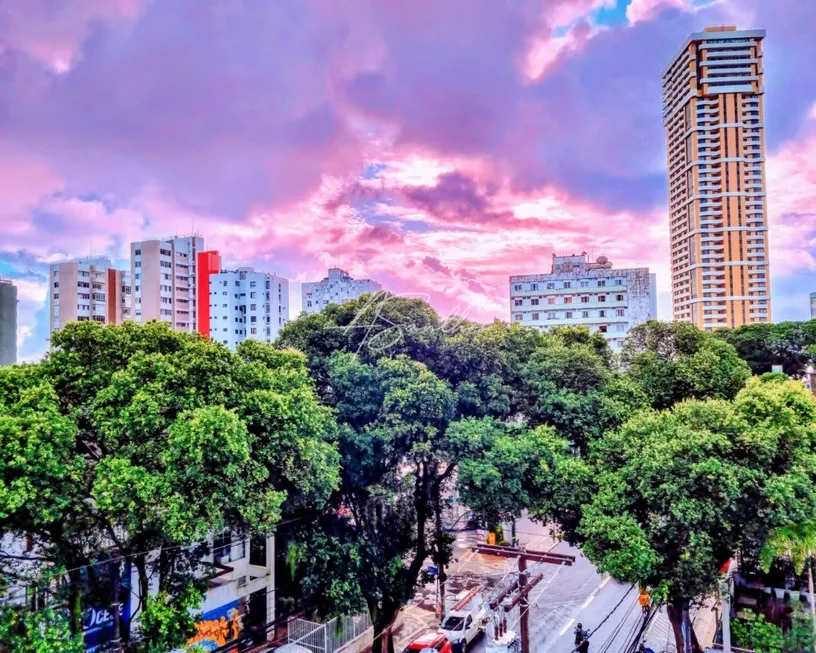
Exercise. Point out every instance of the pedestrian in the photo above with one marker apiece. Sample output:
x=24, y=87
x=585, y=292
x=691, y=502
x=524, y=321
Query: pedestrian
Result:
x=583, y=647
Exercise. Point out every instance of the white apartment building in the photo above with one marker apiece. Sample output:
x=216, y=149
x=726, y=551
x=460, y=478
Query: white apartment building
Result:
x=580, y=293
x=165, y=282
x=88, y=289
x=247, y=304
x=336, y=288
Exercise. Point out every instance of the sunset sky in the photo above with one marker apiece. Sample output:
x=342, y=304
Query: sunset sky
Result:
x=436, y=146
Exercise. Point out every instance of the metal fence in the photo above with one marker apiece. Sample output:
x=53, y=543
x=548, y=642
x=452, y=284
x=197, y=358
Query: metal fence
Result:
x=329, y=637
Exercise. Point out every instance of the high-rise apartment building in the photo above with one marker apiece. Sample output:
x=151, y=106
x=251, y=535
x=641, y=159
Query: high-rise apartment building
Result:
x=714, y=120
x=88, y=289
x=8, y=322
x=578, y=292
x=813, y=306
x=336, y=288
x=241, y=303
x=165, y=282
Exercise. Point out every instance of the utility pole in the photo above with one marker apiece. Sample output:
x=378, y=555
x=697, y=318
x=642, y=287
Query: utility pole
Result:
x=525, y=585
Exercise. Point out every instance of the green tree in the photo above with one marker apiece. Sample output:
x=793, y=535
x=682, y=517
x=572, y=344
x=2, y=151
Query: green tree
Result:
x=789, y=344
x=673, y=361
x=754, y=632
x=45, y=630
x=797, y=542
x=679, y=492
x=152, y=439
x=169, y=620
x=571, y=386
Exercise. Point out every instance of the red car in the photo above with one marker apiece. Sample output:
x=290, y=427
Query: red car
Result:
x=429, y=643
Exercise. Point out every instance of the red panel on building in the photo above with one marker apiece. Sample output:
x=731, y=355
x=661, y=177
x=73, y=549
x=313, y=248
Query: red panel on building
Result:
x=208, y=263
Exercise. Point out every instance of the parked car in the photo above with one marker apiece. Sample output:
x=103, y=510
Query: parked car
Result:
x=464, y=624
x=433, y=642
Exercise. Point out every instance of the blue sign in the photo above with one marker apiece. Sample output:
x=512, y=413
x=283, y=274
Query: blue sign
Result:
x=97, y=622
x=432, y=570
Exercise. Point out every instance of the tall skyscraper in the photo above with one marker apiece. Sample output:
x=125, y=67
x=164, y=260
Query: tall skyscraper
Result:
x=813, y=306
x=241, y=303
x=578, y=292
x=88, y=289
x=165, y=282
x=715, y=130
x=8, y=322
x=337, y=288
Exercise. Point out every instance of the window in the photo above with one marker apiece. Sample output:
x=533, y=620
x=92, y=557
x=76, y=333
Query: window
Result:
x=252, y=284
x=164, y=264
x=620, y=327
x=224, y=282
x=569, y=315
x=516, y=302
x=618, y=282
x=585, y=299
x=567, y=284
x=535, y=316
x=551, y=300
x=516, y=286
x=584, y=313
x=568, y=300
x=533, y=286
x=619, y=298
x=517, y=317
x=56, y=295
x=602, y=282
x=584, y=284
x=620, y=312
x=253, y=331
x=253, y=319
x=601, y=313
x=137, y=252
x=253, y=295
x=534, y=301
x=550, y=286
x=603, y=328
x=253, y=307
x=601, y=298
x=56, y=284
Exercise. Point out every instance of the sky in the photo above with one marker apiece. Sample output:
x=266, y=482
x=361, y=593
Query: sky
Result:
x=437, y=146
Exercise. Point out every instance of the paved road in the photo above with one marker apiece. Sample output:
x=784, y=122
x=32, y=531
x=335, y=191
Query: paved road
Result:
x=575, y=594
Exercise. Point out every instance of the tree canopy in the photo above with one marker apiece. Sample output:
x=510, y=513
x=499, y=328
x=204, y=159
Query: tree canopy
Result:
x=673, y=361
x=139, y=438
x=789, y=344
x=681, y=491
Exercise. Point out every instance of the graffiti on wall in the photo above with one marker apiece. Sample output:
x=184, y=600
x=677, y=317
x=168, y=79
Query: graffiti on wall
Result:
x=218, y=627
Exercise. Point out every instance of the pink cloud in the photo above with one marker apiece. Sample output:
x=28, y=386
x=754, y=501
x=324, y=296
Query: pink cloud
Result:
x=54, y=31
x=640, y=10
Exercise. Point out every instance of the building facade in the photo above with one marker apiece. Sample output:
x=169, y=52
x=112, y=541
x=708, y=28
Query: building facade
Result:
x=336, y=288
x=813, y=306
x=88, y=289
x=578, y=292
x=245, y=304
x=8, y=322
x=165, y=281
x=715, y=132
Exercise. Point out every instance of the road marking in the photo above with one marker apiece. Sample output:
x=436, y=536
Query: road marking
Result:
x=586, y=603
x=566, y=627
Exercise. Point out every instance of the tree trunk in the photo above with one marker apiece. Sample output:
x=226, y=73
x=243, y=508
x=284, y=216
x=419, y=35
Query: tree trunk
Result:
x=812, y=600
x=116, y=612
x=75, y=601
x=684, y=637
x=383, y=629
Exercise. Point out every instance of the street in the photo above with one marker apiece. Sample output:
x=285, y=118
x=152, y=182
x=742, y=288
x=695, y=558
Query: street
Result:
x=577, y=594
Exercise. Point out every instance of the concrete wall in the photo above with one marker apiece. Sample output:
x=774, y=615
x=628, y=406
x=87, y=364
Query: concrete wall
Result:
x=8, y=324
